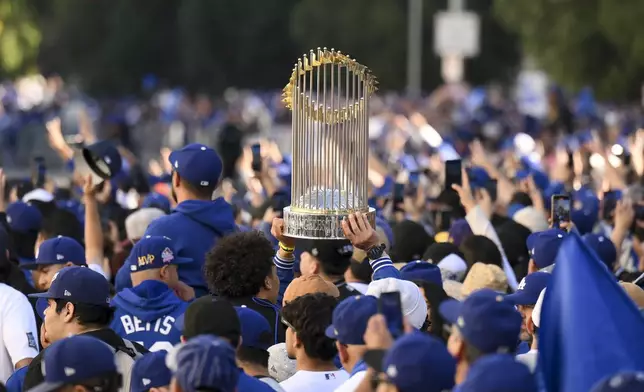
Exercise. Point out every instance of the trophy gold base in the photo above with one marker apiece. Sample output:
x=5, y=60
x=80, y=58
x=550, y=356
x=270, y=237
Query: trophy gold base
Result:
x=300, y=224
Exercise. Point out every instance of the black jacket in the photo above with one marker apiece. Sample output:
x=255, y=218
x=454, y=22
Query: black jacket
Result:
x=345, y=290
x=34, y=374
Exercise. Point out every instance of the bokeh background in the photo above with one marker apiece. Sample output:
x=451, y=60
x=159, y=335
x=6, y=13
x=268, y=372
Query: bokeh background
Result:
x=153, y=73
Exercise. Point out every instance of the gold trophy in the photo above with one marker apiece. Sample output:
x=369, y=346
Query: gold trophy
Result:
x=328, y=94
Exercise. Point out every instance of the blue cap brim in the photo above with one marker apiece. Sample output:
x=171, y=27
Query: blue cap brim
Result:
x=178, y=323
x=521, y=298
x=46, y=387
x=330, y=332
x=46, y=295
x=41, y=305
x=29, y=266
x=450, y=310
x=181, y=260
x=36, y=264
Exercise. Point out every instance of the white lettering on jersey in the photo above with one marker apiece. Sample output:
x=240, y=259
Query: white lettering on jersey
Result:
x=132, y=324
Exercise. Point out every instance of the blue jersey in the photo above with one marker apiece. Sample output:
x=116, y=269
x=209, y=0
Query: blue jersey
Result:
x=146, y=314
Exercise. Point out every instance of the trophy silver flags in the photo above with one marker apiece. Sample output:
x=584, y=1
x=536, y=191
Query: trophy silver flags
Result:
x=328, y=93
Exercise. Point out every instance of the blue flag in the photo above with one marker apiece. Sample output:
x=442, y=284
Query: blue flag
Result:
x=590, y=328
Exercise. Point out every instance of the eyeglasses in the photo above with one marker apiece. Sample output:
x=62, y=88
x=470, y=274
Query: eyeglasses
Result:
x=288, y=325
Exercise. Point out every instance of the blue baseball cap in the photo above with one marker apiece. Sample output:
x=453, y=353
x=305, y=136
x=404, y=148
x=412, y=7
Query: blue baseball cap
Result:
x=78, y=285
x=422, y=270
x=101, y=160
x=485, y=320
x=540, y=178
x=204, y=362
x=153, y=252
x=544, y=246
x=350, y=319
x=74, y=359
x=23, y=218
x=199, y=164
x=150, y=371
x=417, y=362
x=621, y=382
x=478, y=177
x=255, y=330
x=156, y=200
x=529, y=289
x=498, y=373
x=58, y=250
x=603, y=247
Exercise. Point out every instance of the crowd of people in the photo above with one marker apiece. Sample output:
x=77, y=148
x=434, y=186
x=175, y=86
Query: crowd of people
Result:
x=179, y=276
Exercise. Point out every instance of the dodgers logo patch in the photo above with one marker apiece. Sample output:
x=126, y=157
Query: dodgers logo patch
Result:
x=31, y=341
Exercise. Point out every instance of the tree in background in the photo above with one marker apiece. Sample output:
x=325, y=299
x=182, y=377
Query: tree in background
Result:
x=583, y=42
x=19, y=38
x=205, y=45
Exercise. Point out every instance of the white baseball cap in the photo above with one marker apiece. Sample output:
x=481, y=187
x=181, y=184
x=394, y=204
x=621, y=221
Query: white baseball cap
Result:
x=413, y=304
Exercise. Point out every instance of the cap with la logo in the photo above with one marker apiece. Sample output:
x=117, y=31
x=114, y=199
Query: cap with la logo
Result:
x=58, y=250
x=78, y=285
x=74, y=359
x=150, y=371
x=200, y=165
x=414, y=359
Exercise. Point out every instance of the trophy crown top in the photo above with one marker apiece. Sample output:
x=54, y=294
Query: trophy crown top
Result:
x=317, y=61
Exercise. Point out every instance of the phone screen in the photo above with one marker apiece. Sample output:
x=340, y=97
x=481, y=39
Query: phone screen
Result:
x=491, y=189
x=257, y=157
x=389, y=306
x=399, y=193
x=452, y=173
x=560, y=209
x=414, y=178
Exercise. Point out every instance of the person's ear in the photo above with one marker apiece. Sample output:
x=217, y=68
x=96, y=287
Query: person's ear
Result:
x=176, y=180
x=69, y=264
x=163, y=273
x=315, y=267
x=241, y=340
x=460, y=350
x=529, y=324
x=342, y=352
x=298, y=342
x=532, y=267
x=183, y=339
x=69, y=316
x=268, y=284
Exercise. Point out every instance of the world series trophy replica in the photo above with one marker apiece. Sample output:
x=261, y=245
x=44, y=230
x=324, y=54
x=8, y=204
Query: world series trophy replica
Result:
x=328, y=94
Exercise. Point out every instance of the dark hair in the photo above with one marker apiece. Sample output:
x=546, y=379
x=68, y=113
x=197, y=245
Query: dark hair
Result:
x=24, y=243
x=521, y=198
x=88, y=315
x=61, y=222
x=435, y=295
x=253, y=355
x=45, y=207
x=336, y=268
x=478, y=248
x=238, y=264
x=111, y=382
x=362, y=271
x=439, y=250
x=310, y=315
x=201, y=192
